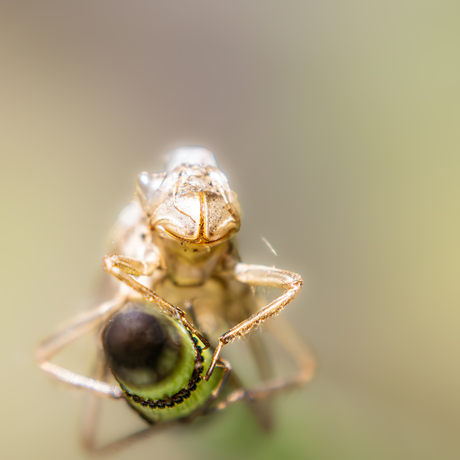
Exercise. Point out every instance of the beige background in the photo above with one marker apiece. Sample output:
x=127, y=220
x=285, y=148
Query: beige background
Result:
x=338, y=125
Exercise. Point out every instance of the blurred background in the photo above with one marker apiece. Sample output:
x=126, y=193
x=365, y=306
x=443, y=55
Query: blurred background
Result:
x=336, y=122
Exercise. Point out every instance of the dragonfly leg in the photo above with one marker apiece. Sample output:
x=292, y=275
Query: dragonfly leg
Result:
x=124, y=268
x=78, y=327
x=259, y=275
x=302, y=356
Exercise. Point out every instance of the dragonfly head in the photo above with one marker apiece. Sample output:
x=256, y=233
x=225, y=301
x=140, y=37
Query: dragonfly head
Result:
x=190, y=208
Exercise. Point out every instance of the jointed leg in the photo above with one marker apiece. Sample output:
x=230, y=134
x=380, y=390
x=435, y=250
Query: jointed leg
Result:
x=301, y=354
x=261, y=413
x=259, y=275
x=303, y=359
x=79, y=326
x=124, y=268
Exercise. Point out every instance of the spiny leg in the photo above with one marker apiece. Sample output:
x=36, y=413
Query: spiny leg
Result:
x=124, y=268
x=303, y=359
x=76, y=328
x=259, y=275
x=241, y=393
x=302, y=355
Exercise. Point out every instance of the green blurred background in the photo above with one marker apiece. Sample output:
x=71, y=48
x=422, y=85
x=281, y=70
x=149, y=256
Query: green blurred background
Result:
x=337, y=123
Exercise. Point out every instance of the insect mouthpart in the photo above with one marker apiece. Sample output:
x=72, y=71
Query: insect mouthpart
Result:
x=200, y=240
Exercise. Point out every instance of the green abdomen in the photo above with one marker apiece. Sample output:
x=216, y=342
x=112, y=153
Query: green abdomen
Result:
x=156, y=364
x=179, y=404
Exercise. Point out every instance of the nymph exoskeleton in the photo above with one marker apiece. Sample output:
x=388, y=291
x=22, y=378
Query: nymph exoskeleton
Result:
x=180, y=284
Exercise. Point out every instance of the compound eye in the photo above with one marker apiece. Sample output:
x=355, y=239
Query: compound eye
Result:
x=140, y=348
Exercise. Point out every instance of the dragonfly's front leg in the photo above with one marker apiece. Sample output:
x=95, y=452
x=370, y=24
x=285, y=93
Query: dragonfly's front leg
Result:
x=259, y=275
x=125, y=268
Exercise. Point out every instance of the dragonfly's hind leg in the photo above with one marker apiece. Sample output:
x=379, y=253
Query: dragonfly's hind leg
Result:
x=78, y=327
x=302, y=356
x=262, y=413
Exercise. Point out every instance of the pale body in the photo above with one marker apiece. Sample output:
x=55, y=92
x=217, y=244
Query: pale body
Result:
x=172, y=246
x=216, y=300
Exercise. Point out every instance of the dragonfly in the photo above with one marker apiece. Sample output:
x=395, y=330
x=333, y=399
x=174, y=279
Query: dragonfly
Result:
x=181, y=296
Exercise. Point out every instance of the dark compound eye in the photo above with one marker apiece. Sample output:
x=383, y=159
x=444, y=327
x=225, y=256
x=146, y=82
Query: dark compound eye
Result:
x=140, y=348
